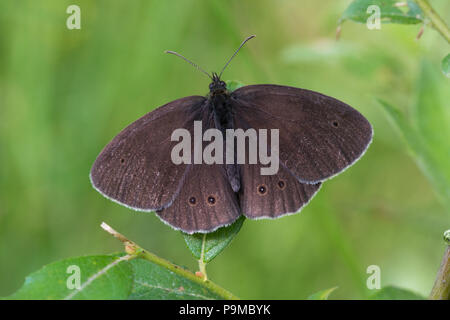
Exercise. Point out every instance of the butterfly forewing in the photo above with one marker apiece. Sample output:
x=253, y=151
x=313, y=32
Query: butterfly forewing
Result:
x=319, y=136
x=135, y=168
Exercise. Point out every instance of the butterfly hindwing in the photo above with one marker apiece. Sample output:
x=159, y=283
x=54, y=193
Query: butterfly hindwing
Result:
x=272, y=196
x=206, y=200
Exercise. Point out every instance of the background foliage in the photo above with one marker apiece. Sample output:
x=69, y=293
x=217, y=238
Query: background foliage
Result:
x=65, y=93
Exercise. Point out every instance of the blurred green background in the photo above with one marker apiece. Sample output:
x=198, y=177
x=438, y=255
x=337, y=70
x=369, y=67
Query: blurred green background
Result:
x=65, y=93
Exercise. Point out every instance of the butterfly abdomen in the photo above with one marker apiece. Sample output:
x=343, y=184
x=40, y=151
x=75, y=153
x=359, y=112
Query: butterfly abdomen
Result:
x=223, y=118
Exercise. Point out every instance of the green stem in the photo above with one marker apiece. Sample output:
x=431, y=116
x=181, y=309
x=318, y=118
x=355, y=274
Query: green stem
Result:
x=211, y=286
x=441, y=288
x=436, y=21
x=201, y=261
x=133, y=249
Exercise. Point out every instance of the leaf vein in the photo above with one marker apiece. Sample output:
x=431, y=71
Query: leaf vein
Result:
x=176, y=291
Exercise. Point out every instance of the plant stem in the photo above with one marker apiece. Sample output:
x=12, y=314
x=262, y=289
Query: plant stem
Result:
x=201, y=262
x=441, y=288
x=436, y=21
x=133, y=249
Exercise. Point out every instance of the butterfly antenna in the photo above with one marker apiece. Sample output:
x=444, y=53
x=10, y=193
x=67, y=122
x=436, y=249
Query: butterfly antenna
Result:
x=242, y=44
x=190, y=62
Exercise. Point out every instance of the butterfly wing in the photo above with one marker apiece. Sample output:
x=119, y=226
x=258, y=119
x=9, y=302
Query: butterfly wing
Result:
x=319, y=136
x=135, y=168
x=206, y=200
x=271, y=196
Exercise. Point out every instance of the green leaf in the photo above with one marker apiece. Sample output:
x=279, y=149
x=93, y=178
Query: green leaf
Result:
x=389, y=13
x=446, y=66
x=152, y=282
x=206, y=246
x=431, y=115
x=394, y=293
x=110, y=277
x=322, y=295
x=404, y=126
x=101, y=277
x=427, y=138
x=233, y=85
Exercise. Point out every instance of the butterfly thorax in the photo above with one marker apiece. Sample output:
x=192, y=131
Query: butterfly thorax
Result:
x=219, y=102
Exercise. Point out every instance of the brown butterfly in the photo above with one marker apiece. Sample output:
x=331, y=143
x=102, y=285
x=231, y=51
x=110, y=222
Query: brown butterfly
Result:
x=319, y=137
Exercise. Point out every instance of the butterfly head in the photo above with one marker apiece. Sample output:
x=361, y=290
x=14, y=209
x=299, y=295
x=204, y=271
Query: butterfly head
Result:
x=217, y=86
